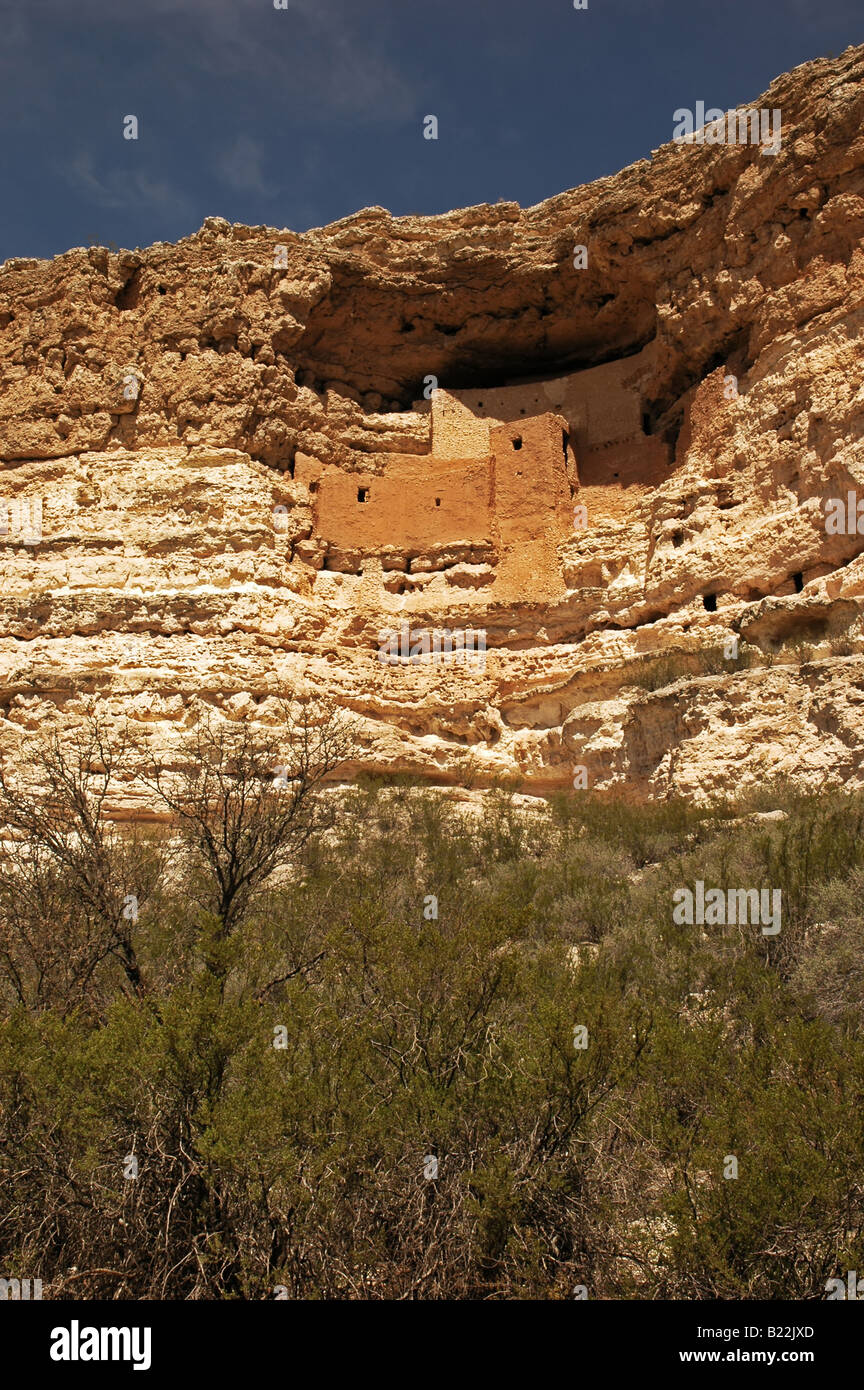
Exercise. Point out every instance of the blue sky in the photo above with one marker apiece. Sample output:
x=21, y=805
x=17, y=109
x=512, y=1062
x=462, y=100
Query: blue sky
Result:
x=297, y=116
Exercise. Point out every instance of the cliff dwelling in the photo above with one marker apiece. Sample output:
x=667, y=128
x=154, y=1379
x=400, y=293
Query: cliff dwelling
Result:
x=497, y=472
x=279, y=492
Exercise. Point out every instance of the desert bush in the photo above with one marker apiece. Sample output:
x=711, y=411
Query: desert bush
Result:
x=363, y=1076
x=657, y=672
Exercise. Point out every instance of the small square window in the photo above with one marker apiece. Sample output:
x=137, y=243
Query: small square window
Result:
x=362, y=494
x=517, y=442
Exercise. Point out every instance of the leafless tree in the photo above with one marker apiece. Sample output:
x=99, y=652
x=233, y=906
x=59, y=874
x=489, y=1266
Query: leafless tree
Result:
x=244, y=800
x=71, y=883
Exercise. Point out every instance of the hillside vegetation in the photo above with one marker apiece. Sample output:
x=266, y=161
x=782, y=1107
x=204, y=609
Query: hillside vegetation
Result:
x=327, y=1091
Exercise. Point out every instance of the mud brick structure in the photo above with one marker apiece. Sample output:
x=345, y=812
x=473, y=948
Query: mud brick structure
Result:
x=277, y=490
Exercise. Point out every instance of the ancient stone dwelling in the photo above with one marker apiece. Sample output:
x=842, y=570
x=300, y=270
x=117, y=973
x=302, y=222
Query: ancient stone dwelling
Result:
x=277, y=492
x=497, y=474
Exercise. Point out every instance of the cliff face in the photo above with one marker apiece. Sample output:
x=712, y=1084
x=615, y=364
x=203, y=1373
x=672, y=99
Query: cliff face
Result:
x=265, y=461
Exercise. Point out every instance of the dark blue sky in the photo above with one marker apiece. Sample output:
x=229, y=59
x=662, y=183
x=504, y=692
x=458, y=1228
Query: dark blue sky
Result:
x=296, y=117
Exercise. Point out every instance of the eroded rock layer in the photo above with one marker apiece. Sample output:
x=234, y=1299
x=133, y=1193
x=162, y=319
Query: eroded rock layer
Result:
x=256, y=463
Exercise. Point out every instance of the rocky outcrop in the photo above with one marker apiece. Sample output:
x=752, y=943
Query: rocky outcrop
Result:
x=257, y=455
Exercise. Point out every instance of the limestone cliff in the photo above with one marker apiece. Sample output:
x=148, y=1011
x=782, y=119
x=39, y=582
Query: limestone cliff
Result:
x=255, y=462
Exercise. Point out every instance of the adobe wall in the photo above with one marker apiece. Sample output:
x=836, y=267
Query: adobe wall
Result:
x=614, y=480
x=458, y=429
x=517, y=495
x=407, y=506
x=531, y=488
x=504, y=467
x=601, y=404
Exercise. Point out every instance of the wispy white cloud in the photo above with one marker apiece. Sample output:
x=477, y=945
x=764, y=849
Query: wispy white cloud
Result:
x=239, y=165
x=323, y=53
x=322, y=56
x=125, y=188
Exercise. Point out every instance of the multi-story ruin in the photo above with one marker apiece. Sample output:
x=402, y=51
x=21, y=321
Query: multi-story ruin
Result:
x=499, y=474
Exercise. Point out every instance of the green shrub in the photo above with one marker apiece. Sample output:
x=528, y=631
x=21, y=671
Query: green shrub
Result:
x=409, y=1038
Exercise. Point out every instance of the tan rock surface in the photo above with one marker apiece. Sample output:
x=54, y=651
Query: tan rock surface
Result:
x=244, y=482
